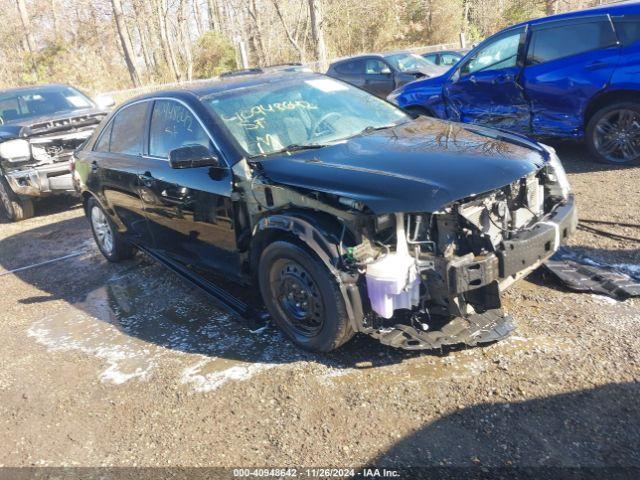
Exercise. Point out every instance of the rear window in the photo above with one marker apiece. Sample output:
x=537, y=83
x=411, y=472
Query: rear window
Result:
x=353, y=67
x=628, y=30
x=552, y=43
x=127, y=131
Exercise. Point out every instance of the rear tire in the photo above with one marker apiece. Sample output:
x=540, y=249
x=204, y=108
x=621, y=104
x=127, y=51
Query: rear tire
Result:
x=15, y=208
x=613, y=134
x=108, y=239
x=303, y=298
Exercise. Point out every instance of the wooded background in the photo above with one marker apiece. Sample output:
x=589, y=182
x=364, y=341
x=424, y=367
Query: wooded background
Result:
x=101, y=45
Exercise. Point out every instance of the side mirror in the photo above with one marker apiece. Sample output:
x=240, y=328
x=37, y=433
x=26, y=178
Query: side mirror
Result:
x=192, y=156
x=105, y=102
x=386, y=71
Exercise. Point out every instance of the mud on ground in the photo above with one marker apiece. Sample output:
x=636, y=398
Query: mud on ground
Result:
x=126, y=365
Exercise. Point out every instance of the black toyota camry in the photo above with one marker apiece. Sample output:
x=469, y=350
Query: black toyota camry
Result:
x=347, y=214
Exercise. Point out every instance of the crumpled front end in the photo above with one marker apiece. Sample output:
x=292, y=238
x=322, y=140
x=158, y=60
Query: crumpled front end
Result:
x=38, y=163
x=435, y=279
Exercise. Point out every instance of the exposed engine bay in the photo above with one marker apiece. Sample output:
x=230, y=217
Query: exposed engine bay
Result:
x=432, y=279
x=36, y=163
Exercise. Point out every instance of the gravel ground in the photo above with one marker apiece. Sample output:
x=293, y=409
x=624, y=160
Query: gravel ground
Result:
x=126, y=365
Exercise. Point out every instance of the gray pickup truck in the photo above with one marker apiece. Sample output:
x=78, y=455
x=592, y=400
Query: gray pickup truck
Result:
x=40, y=127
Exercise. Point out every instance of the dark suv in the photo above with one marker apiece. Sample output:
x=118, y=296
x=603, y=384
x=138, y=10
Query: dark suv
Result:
x=569, y=76
x=40, y=127
x=347, y=214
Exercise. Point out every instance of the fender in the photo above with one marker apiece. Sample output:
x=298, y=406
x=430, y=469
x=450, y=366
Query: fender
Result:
x=324, y=244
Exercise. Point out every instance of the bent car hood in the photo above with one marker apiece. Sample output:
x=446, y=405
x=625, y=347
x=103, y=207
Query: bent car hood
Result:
x=23, y=127
x=420, y=166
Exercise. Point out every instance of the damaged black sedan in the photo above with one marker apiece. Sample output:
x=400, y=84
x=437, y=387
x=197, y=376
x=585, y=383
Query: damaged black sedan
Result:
x=40, y=127
x=347, y=214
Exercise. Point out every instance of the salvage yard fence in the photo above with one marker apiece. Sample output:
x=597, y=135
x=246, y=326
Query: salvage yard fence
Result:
x=122, y=95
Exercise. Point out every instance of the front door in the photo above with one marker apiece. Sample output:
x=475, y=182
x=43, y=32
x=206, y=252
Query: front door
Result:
x=189, y=210
x=567, y=64
x=378, y=78
x=485, y=89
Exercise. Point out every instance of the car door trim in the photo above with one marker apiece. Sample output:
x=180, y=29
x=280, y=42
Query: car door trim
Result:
x=147, y=130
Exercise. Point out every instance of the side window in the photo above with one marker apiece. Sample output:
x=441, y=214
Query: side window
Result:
x=628, y=30
x=127, y=132
x=552, y=43
x=500, y=53
x=432, y=58
x=352, y=67
x=174, y=126
x=103, y=143
x=448, y=59
x=376, y=67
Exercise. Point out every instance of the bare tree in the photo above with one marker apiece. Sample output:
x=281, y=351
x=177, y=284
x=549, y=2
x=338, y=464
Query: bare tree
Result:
x=290, y=36
x=125, y=42
x=316, y=16
x=26, y=25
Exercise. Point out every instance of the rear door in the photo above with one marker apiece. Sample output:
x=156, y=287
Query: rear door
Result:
x=115, y=162
x=486, y=88
x=567, y=63
x=189, y=210
x=351, y=71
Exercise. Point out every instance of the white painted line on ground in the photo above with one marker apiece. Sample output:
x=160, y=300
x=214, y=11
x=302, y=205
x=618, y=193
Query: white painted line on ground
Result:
x=28, y=267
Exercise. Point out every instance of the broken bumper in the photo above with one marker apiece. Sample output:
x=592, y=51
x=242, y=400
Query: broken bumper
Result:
x=42, y=180
x=519, y=255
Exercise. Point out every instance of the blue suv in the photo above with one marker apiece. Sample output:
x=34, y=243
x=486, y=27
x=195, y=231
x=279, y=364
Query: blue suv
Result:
x=568, y=76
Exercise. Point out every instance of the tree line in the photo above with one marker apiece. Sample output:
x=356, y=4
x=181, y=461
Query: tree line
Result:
x=102, y=45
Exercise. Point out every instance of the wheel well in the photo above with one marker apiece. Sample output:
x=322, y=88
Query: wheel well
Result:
x=85, y=200
x=419, y=110
x=317, y=233
x=609, y=98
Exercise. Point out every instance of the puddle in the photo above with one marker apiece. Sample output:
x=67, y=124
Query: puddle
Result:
x=140, y=319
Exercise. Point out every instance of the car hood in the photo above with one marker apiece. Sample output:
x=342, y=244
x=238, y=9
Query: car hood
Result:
x=420, y=166
x=433, y=70
x=53, y=122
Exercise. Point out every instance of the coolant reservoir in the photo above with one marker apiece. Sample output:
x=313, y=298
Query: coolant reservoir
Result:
x=392, y=281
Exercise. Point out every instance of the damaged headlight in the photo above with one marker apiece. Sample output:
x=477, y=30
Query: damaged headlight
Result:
x=15, y=150
x=557, y=174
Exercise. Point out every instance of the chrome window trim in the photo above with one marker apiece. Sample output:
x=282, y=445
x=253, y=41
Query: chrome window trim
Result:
x=195, y=115
x=153, y=99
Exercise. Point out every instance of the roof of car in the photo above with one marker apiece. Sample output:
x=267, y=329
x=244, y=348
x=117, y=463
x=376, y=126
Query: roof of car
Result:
x=373, y=54
x=35, y=88
x=616, y=8
x=220, y=85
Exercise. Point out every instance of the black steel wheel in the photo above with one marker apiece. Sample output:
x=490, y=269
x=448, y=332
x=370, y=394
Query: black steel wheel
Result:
x=303, y=298
x=613, y=134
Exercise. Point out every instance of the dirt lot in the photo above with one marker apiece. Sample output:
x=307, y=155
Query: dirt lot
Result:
x=126, y=365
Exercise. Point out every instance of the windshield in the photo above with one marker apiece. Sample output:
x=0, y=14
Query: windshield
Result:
x=408, y=62
x=268, y=118
x=28, y=104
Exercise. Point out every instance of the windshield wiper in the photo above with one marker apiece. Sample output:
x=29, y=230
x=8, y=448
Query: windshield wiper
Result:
x=371, y=128
x=294, y=147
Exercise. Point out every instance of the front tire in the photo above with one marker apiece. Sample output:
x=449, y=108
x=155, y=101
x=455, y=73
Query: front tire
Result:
x=108, y=239
x=303, y=298
x=613, y=134
x=14, y=207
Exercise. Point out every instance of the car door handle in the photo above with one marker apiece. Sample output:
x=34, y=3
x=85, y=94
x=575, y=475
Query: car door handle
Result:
x=472, y=79
x=179, y=194
x=504, y=78
x=596, y=65
x=146, y=179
